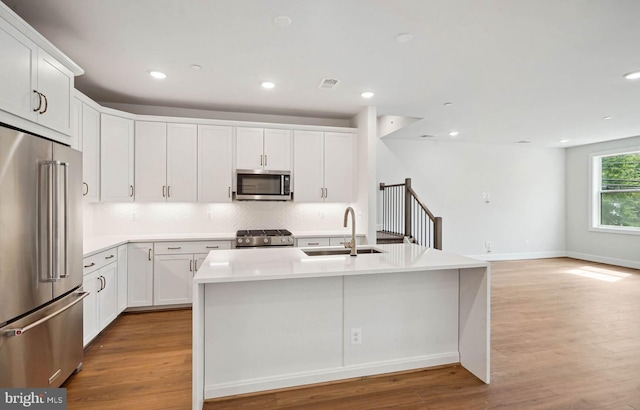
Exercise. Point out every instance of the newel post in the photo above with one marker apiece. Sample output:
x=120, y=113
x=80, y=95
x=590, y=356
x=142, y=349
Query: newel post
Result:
x=437, y=233
x=407, y=207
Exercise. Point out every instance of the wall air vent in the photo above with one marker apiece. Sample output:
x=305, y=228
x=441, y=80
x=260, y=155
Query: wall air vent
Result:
x=328, y=83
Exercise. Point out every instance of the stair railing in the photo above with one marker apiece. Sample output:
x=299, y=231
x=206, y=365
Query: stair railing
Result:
x=403, y=213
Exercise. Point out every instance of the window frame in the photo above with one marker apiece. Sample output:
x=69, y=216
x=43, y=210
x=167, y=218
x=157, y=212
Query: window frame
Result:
x=595, y=205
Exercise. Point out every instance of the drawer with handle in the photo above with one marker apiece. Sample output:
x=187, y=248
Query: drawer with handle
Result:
x=173, y=248
x=311, y=242
x=99, y=260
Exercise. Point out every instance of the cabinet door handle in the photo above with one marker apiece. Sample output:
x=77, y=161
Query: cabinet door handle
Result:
x=39, y=101
x=169, y=191
x=164, y=190
x=131, y=191
x=174, y=247
x=46, y=104
x=261, y=159
x=321, y=192
x=314, y=243
x=86, y=191
x=109, y=257
x=229, y=191
x=265, y=160
x=213, y=247
x=90, y=265
x=326, y=193
x=191, y=265
x=149, y=253
x=196, y=265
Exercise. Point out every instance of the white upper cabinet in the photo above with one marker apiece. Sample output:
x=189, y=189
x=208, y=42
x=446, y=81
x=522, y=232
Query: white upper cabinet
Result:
x=339, y=167
x=308, y=171
x=55, y=85
x=116, y=159
x=277, y=150
x=182, y=163
x=151, y=161
x=35, y=86
x=215, y=168
x=249, y=148
x=324, y=164
x=90, y=142
x=18, y=78
x=259, y=148
x=166, y=162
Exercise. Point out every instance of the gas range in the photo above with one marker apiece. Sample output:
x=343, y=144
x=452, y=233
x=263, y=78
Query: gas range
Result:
x=263, y=237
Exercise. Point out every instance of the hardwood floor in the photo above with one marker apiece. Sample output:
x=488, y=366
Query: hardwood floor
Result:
x=565, y=335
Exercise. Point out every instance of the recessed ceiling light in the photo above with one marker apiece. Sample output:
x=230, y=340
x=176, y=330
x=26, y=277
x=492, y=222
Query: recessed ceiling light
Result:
x=157, y=74
x=367, y=94
x=564, y=141
x=448, y=104
x=608, y=117
x=632, y=76
x=453, y=133
x=524, y=142
x=196, y=67
x=267, y=84
x=427, y=136
x=282, y=21
x=404, y=38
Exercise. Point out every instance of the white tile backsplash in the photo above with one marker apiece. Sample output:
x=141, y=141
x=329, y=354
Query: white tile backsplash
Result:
x=160, y=218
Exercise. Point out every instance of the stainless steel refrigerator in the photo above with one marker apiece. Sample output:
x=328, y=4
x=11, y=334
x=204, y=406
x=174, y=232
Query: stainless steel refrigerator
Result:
x=40, y=260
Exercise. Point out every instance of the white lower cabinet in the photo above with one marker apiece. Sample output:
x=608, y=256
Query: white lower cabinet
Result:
x=108, y=295
x=327, y=241
x=175, y=264
x=172, y=279
x=101, y=281
x=140, y=274
x=123, y=279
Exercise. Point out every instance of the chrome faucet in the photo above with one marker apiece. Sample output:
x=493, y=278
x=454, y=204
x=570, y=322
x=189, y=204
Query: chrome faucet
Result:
x=351, y=244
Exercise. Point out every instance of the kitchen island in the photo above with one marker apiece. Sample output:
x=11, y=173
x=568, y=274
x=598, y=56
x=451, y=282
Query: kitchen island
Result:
x=274, y=318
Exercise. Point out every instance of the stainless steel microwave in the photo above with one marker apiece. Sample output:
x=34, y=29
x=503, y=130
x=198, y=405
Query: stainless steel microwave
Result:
x=259, y=185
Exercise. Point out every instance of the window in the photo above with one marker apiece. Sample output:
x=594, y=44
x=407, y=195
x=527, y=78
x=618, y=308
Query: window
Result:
x=616, y=191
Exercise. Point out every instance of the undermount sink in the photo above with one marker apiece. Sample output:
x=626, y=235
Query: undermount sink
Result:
x=328, y=252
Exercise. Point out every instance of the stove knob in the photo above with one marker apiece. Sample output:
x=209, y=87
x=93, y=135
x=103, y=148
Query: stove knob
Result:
x=283, y=239
x=246, y=241
x=265, y=240
x=290, y=240
x=239, y=240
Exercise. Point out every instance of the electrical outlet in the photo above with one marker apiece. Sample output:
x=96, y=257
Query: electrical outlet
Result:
x=209, y=215
x=487, y=246
x=134, y=217
x=356, y=335
x=486, y=197
x=321, y=215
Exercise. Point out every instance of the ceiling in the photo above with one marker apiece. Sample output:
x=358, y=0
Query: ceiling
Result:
x=535, y=70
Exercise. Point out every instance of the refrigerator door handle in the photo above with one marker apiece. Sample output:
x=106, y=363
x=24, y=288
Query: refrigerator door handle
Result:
x=51, y=185
x=23, y=330
x=65, y=248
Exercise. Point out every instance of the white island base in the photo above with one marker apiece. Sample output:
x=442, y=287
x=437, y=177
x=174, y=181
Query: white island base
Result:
x=273, y=318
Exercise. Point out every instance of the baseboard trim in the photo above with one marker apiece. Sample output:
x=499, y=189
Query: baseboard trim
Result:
x=326, y=375
x=604, y=259
x=494, y=257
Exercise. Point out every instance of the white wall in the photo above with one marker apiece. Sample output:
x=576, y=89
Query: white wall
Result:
x=365, y=206
x=162, y=218
x=619, y=249
x=525, y=217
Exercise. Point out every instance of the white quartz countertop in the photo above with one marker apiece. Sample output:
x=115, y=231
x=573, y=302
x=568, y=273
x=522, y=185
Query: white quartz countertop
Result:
x=238, y=265
x=99, y=243
x=96, y=244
